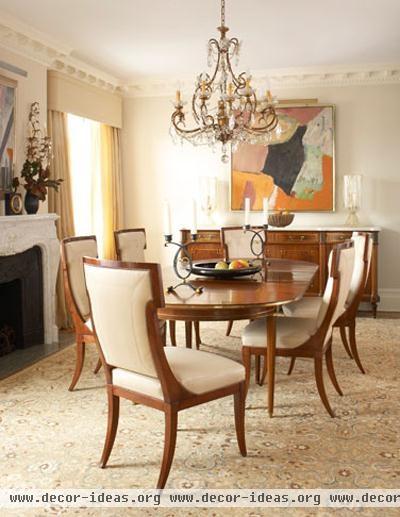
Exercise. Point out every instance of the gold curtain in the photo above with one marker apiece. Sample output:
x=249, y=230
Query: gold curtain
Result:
x=61, y=202
x=111, y=186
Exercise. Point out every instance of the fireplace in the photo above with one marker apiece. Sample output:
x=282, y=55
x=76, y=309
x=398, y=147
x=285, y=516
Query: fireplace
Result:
x=21, y=300
x=29, y=260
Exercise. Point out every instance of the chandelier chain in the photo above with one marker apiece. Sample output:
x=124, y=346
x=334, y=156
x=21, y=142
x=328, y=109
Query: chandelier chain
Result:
x=222, y=13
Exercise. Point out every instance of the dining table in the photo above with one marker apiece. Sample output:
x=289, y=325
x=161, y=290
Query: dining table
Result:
x=280, y=281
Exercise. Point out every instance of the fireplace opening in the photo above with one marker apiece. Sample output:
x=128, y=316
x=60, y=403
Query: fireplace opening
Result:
x=21, y=300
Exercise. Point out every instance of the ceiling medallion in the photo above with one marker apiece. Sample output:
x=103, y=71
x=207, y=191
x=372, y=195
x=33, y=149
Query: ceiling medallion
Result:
x=224, y=106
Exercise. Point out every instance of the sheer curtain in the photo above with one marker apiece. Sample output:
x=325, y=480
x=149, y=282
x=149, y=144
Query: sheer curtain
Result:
x=96, y=180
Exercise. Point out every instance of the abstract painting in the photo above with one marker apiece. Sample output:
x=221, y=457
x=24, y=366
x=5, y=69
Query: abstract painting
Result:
x=7, y=131
x=295, y=170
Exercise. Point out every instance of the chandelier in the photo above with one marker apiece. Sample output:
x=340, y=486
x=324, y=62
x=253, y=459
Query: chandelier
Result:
x=224, y=105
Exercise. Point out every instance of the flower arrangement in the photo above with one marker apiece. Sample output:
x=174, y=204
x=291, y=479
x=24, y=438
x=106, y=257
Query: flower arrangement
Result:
x=36, y=168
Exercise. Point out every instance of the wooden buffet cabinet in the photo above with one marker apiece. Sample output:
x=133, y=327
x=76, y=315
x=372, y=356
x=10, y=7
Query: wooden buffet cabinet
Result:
x=310, y=245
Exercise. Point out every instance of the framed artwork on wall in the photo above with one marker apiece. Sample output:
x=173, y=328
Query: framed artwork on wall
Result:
x=296, y=170
x=8, y=95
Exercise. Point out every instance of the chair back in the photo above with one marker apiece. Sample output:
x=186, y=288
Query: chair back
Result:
x=236, y=242
x=119, y=293
x=362, y=260
x=341, y=264
x=73, y=249
x=130, y=244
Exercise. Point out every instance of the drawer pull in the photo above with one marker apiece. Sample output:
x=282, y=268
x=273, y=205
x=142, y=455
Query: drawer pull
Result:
x=297, y=237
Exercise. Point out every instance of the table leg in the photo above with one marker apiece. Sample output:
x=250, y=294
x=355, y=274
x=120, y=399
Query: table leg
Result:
x=188, y=334
x=271, y=340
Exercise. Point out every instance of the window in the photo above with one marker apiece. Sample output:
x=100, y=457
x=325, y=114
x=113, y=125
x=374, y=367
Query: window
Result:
x=85, y=164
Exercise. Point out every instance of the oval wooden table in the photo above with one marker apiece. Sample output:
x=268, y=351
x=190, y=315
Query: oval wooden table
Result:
x=282, y=282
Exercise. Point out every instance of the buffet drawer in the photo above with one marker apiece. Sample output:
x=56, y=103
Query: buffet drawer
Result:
x=337, y=237
x=293, y=237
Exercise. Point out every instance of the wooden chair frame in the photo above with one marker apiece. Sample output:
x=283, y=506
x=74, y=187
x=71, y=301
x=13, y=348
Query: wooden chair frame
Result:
x=176, y=397
x=83, y=334
x=224, y=229
x=348, y=318
x=315, y=346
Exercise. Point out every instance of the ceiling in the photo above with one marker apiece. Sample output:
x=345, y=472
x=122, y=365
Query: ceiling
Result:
x=134, y=39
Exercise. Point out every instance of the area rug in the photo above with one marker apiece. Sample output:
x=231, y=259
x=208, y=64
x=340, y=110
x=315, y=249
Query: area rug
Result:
x=51, y=438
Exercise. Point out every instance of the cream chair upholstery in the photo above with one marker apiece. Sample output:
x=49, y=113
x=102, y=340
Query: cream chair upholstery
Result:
x=124, y=298
x=304, y=337
x=209, y=372
x=73, y=250
x=130, y=244
x=309, y=307
x=237, y=242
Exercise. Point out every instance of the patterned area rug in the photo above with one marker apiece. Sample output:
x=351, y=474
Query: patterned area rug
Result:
x=52, y=438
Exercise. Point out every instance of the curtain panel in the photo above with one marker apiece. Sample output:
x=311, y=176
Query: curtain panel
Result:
x=61, y=202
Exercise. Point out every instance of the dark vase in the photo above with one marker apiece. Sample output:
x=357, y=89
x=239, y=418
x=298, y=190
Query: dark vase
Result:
x=31, y=203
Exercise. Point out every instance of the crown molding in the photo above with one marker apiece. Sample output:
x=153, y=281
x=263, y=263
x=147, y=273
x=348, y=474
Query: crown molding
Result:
x=26, y=42
x=279, y=79
x=23, y=40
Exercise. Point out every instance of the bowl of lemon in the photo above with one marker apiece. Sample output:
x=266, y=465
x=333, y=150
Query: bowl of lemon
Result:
x=225, y=269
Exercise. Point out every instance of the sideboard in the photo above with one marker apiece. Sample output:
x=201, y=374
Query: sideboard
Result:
x=310, y=245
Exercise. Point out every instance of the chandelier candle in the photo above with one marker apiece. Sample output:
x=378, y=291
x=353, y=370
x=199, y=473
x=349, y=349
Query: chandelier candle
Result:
x=224, y=106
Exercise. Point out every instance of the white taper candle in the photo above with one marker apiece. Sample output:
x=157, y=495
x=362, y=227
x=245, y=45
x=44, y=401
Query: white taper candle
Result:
x=193, y=231
x=246, y=211
x=167, y=219
x=265, y=210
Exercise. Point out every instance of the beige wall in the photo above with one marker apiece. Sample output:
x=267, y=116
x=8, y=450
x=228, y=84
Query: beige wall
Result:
x=367, y=141
x=30, y=89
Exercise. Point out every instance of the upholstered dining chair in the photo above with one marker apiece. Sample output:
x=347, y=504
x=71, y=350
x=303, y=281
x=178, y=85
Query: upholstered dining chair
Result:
x=236, y=243
x=309, y=307
x=130, y=244
x=73, y=249
x=308, y=337
x=124, y=298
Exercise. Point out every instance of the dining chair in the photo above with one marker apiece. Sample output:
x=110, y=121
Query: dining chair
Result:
x=124, y=298
x=73, y=249
x=308, y=337
x=130, y=244
x=237, y=244
x=309, y=307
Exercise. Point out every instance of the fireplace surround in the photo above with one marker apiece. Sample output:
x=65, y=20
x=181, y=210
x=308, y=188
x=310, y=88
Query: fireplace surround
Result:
x=34, y=238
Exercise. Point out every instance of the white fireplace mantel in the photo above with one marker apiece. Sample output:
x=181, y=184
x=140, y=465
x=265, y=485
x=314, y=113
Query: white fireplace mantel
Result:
x=21, y=232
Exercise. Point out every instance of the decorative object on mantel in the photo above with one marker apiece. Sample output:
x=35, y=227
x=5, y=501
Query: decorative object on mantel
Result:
x=225, y=107
x=182, y=261
x=352, y=197
x=280, y=219
x=296, y=170
x=36, y=169
x=13, y=200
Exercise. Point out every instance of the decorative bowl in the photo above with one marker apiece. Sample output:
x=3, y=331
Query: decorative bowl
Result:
x=280, y=219
x=207, y=268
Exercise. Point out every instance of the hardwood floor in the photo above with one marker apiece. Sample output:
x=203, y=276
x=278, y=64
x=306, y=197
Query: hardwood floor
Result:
x=24, y=357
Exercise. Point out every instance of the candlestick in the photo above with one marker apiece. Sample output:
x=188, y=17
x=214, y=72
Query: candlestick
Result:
x=246, y=211
x=183, y=258
x=178, y=96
